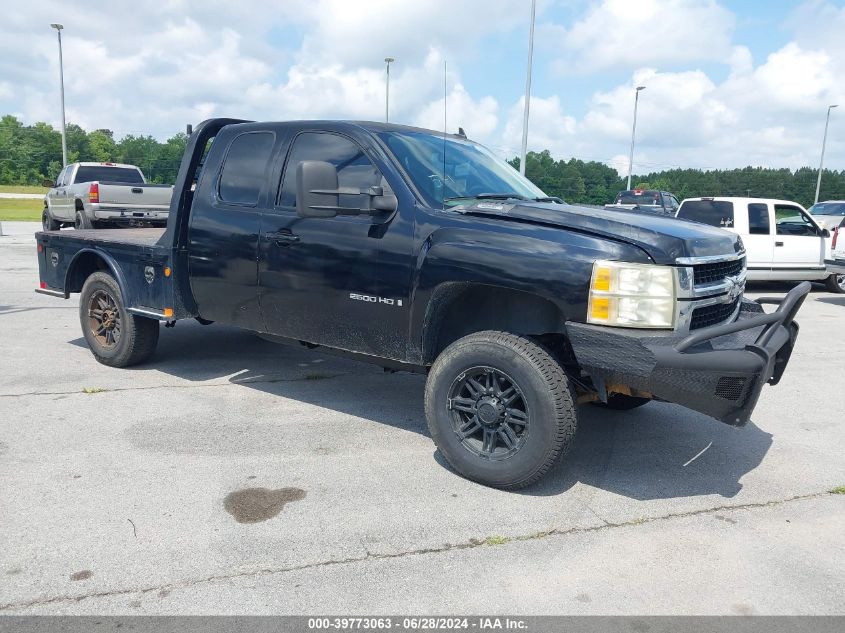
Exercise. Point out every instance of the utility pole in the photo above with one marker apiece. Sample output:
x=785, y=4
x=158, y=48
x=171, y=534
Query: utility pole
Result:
x=59, y=28
x=527, y=90
x=387, y=61
x=633, y=134
x=821, y=161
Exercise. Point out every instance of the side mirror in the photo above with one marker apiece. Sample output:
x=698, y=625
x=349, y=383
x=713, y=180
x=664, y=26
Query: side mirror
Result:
x=316, y=189
x=49, y=183
x=318, y=193
x=825, y=233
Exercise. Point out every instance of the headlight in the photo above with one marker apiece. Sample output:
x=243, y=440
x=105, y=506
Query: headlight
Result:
x=632, y=295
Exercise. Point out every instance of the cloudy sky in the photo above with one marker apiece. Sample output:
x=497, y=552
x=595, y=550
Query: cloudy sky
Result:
x=729, y=83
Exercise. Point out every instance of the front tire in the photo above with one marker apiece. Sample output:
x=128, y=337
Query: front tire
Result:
x=117, y=338
x=835, y=283
x=500, y=409
x=47, y=221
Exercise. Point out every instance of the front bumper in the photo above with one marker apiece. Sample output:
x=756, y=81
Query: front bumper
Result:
x=719, y=371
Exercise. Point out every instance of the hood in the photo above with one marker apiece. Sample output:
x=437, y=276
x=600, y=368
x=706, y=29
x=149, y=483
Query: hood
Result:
x=664, y=238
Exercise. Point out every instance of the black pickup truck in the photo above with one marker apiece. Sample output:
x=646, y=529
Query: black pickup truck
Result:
x=422, y=251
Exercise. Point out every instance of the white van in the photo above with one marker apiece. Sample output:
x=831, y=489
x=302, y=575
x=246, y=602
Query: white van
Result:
x=782, y=241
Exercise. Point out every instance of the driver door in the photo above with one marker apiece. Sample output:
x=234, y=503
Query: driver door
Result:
x=798, y=240
x=332, y=281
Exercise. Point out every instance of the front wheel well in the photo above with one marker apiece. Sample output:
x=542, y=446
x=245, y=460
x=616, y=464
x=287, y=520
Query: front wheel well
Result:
x=457, y=310
x=83, y=267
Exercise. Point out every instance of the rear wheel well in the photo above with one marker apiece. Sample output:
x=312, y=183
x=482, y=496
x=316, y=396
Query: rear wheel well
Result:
x=79, y=205
x=457, y=310
x=83, y=267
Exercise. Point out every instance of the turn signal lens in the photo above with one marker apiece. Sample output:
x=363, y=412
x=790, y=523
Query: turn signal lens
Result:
x=167, y=271
x=168, y=312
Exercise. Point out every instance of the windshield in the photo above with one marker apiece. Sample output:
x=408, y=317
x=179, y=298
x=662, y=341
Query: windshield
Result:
x=105, y=173
x=828, y=208
x=638, y=196
x=471, y=169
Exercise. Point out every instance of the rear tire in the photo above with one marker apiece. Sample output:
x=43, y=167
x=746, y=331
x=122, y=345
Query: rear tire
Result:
x=81, y=221
x=621, y=402
x=835, y=283
x=47, y=221
x=117, y=338
x=500, y=409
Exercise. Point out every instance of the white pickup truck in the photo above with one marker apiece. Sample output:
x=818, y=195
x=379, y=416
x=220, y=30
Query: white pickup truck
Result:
x=782, y=240
x=93, y=195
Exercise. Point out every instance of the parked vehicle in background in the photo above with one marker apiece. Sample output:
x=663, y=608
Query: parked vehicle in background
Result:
x=782, y=240
x=836, y=263
x=424, y=252
x=829, y=214
x=648, y=200
x=95, y=195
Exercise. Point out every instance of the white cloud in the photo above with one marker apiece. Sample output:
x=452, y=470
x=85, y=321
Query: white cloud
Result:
x=625, y=34
x=549, y=126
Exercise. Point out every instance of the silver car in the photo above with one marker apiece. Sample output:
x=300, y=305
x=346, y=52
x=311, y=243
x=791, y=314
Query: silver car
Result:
x=829, y=214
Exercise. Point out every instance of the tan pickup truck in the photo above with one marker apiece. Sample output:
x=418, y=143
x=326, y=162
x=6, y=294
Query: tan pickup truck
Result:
x=94, y=195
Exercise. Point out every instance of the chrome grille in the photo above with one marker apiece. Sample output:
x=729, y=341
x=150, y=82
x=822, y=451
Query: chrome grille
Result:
x=717, y=271
x=714, y=314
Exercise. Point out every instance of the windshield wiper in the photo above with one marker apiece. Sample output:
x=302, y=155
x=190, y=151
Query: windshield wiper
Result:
x=506, y=196
x=489, y=196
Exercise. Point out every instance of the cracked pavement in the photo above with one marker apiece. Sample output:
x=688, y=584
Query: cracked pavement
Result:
x=112, y=501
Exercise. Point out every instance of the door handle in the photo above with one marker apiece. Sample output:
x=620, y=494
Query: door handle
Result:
x=778, y=243
x=282, y=238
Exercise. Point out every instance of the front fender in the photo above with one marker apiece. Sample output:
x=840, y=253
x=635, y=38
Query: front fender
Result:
x=549, y=263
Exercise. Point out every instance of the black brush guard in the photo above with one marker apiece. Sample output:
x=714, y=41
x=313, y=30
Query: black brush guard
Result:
x=719, y=371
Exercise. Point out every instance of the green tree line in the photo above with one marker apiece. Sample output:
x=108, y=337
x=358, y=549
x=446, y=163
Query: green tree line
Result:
x=32, y=153
x=592, y=182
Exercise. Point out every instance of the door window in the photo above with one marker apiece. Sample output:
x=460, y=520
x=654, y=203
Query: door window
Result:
x=354, y=169
x=758, y=219
x=672, y=202
x=61, y=181
x=244, y=167
x=791, y=220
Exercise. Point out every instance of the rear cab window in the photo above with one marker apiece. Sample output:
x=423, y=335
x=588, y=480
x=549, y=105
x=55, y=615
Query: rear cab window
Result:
x=640, y=196
x=107, y=173
x=243, y=174
x=713, y=212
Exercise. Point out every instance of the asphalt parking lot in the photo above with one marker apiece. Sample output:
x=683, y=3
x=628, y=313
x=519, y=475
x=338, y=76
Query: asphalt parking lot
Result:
x=134, y=491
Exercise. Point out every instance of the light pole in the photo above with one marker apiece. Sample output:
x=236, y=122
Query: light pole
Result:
x=59, y=28
x=527, y=90
x=821, y=160
x=387, y=61
x=633, y=134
